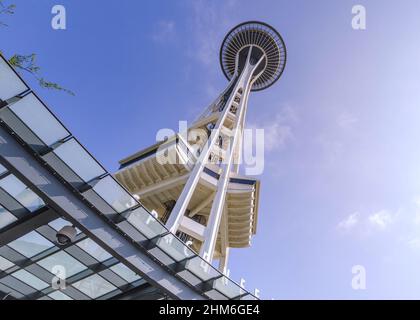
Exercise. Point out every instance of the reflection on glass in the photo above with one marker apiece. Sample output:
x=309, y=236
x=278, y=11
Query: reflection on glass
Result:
x=145, y=223
x=94, y=286
x=124, y=272
x=58, y=295
x=2, y=169
x=62, y=261
x=6, y=217
x=21, y=193
x=94, y=249
x=114, y=194
x=34, y=114
x=174, y=247
x=72, y=153
x=201, y=269
x=59, y=223
x=31, y=244
x=227, y=287
x=10, y=84
x=30, y=279
x=5, y=264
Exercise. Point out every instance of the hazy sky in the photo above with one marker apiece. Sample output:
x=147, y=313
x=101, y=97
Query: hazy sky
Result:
x=341, y=185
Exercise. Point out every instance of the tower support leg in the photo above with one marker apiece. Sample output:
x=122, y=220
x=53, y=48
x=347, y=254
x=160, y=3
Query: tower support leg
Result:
x=223, y=262
x=182, y=203
x=212, y=229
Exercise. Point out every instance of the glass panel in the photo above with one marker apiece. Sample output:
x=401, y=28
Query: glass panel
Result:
x=34, y=114
x=31, y=244
x=72, y=153
x=114, y=194
x=94, y=250
x=70, y=264
x=174, y=247
x=228, y=287
x=124, y=272
x=59, y=223
x=201, y=269
x=30, y=279
x=248, y=297
x=5, y=264
x=58, y=295
x=21, y=193
x=6, y=217
x=145, y=223
x=10, y=84
x=2, y=169
x=94, y=286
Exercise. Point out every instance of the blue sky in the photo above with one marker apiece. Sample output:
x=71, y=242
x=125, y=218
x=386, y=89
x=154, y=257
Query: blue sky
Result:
x=341, y=185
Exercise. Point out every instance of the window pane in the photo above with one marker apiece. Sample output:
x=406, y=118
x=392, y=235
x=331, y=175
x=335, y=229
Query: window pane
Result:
x=30, y=279
x=6, y=218
x=59, y=223
x=114, y=194
x=21, y=193
x=145, y=223
x=31, y=244
x=70, y=264
x=174, y=247
x=10, y=84
x=79, y=160
x=58, y=295
x=201, y=268
x=124, y=272
x=228, y=287
x=94, y=250
x=94, y=286
x=34, y=114
x=5, y=264
x=2, y=169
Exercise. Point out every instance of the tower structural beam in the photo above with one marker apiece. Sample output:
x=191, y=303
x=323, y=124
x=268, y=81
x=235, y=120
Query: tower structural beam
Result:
x=210, y=236
x=189, y=188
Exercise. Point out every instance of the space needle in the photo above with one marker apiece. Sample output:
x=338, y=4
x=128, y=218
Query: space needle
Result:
x=203, y=198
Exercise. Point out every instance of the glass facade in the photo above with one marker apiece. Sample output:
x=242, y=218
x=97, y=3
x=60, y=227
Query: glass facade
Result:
x=10, y=84
x=114, y=194
x=30, y=279
x=73, y=154
x=6, y=218
x=32, y=264
x=14, y=187
x=32, y=113
x=94, y=250
x=61, y=258
x=58, y=295
x=94, y=286
x=17, y=201
x=31, y=244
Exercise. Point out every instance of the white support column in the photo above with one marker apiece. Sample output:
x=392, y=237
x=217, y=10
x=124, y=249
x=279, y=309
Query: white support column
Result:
x=210, y=236
x=224, y=261
x=189, y=188
x=224, y=240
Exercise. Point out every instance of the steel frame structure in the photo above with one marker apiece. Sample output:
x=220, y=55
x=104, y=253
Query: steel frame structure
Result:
x=252, y=57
